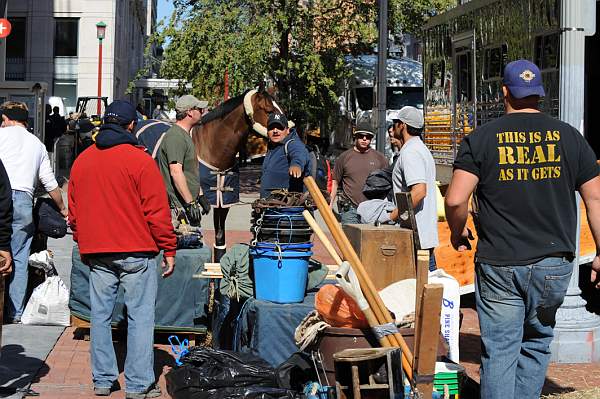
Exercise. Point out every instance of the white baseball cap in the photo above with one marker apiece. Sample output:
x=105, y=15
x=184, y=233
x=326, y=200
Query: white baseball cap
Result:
x=409, y=115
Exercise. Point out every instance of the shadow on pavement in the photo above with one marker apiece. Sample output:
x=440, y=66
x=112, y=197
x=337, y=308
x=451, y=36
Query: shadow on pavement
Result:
x=17, y=371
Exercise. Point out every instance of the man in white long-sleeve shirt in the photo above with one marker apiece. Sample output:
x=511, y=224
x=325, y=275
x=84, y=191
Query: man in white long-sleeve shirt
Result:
x=26, y=161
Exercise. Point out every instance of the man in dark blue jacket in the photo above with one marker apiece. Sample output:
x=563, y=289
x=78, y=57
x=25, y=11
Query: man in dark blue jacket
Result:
x=287, y=160
x=6, y=211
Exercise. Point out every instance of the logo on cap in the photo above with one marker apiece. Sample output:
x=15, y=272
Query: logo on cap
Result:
x=527, y=75
x=277, y=117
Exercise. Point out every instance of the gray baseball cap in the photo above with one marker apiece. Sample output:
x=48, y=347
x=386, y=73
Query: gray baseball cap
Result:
x=187, y=102
x=409, y=115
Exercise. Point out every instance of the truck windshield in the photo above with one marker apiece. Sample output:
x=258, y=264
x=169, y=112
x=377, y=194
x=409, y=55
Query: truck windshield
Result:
x=397, y=97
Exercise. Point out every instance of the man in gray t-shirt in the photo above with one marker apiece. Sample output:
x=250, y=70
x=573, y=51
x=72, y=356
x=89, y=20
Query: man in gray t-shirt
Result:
x=414, y=172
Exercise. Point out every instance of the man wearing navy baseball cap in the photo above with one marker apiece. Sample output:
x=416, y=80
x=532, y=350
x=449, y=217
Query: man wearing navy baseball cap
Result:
x=523, y=170
x=120, y=218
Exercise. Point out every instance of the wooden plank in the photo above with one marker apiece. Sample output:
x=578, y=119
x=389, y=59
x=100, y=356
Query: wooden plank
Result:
x=422, y=278
x=406, y=215
x=427, y=338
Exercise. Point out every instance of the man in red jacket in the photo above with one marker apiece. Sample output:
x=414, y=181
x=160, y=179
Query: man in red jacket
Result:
x=120, y=217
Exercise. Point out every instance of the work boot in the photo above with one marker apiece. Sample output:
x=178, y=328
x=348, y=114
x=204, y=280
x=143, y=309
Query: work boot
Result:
x=218, y=253
x=152, y=392
x=99, y=391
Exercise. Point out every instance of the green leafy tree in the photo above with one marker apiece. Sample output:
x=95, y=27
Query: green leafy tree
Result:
x=299, y=46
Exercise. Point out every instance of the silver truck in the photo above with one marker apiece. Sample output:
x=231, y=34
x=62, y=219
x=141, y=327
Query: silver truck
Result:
x=404, y=87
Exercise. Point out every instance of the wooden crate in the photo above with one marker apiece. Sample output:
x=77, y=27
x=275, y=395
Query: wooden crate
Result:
x=387, y=252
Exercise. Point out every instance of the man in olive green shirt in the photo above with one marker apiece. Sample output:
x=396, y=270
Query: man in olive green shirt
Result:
x=178, y=162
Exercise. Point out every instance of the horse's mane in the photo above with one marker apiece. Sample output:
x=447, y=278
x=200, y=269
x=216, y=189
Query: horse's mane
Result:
x=224, y=109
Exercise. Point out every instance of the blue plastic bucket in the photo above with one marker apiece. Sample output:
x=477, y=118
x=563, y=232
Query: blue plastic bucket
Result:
x=280, y=276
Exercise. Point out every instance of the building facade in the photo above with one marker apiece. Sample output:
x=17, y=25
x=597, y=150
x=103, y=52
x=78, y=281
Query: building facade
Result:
x=54, y=41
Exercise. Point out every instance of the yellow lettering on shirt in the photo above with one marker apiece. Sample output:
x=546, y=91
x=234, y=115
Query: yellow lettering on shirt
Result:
x=538, y=152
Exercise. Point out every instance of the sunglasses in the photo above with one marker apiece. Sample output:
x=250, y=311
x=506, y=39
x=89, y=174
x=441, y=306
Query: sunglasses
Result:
x=363, y=136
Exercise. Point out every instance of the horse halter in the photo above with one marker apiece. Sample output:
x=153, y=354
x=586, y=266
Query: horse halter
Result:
x=249, y=109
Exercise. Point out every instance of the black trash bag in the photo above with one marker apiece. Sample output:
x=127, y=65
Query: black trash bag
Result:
x=236, y=393
x=296, y=372
x=378, y=184
x=213, y=373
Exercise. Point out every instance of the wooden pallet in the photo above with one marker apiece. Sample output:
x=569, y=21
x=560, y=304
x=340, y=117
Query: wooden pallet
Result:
x=82, y=331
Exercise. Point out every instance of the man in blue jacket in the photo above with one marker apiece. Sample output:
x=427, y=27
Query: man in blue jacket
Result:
x=287, y=160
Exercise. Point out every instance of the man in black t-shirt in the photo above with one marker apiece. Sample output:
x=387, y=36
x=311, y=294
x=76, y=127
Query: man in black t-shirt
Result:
x=524, y=169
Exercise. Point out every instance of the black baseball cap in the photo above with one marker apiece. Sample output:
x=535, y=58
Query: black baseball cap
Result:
x=277, y=120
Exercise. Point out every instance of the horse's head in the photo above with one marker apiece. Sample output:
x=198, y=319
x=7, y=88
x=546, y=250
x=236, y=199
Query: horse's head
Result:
x=263, y=104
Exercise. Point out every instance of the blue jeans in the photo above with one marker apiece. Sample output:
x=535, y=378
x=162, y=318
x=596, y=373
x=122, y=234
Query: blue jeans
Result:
x=139, y=279
x=350, y=216
x=517, y=306
x=20, y=244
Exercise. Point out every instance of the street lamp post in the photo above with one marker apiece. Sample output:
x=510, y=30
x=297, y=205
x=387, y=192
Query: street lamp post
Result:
x=100, y=32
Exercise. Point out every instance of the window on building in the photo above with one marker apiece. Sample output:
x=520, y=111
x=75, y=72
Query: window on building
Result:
x=67, y=90
x=16, y=50
x=66, y=34
x=495, y=60
x=437, y=71
x=464, y=70
x=15, y=44
x=547, y=51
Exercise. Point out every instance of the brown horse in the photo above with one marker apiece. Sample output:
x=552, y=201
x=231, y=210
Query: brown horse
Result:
x=218, y=138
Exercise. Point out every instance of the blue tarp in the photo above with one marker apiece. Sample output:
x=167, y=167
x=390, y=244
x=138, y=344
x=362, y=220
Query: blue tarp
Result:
x=181, y=301
x=266, y=329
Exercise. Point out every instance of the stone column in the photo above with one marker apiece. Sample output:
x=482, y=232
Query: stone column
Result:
x=577, y=331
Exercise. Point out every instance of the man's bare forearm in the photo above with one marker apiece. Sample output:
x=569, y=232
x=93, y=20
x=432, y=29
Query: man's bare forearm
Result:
x=334, y=187
x=181, y=186
x=456, y=215
x=56, y=196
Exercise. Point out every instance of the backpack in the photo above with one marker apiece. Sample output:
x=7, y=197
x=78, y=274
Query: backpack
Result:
x=320, y=167
x=48, y=219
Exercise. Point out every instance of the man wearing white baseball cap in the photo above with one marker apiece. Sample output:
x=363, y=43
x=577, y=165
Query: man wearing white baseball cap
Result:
x=414, y=172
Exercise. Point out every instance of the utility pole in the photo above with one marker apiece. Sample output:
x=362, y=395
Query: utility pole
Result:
x=381, y=81
x=3, y=14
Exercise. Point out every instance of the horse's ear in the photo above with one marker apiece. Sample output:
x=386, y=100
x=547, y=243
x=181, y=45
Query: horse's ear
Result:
x=261, y=87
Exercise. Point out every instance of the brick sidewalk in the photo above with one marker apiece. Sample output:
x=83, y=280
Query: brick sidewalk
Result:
x=560, y=378
x=68, y=373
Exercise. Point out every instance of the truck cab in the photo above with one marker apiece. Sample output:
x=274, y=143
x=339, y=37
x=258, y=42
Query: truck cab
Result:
x=356, y=102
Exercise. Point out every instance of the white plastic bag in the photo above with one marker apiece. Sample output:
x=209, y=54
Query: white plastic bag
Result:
x=49, y=304
x=450, y=316
x=43, y=260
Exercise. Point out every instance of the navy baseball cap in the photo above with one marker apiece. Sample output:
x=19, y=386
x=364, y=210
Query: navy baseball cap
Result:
x=122, y=111
x=523, y=78
x=277, y=119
